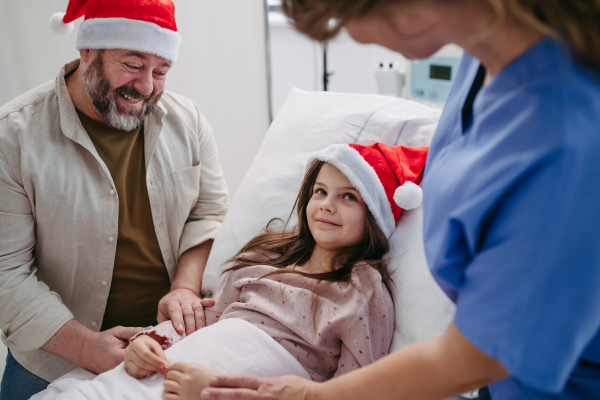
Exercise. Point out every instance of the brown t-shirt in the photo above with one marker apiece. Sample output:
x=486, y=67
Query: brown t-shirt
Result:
x=140, y=278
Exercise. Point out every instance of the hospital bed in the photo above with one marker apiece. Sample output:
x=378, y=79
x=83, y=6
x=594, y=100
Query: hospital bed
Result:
x=309, y=121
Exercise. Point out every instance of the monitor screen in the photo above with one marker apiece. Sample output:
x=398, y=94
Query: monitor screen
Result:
x=440, y=72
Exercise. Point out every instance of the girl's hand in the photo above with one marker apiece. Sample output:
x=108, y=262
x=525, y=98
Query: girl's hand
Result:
x=185, y=381
x=288, y=387
x=144, y=356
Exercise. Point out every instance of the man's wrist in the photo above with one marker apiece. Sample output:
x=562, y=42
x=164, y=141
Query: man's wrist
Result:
x=68, y=342
x=87, y=340
x=185, y=287
x=191, y=268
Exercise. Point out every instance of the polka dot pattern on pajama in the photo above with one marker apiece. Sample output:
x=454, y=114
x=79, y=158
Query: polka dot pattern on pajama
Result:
x=348, y=325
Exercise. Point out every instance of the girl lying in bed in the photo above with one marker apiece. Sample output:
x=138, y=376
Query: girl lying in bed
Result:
x=322, y=291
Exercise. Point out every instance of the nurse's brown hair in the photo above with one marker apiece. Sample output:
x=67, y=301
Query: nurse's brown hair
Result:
x=575, y=22
x=295, y=245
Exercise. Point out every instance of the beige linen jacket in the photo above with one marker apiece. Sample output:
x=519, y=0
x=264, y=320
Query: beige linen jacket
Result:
x=59, y=211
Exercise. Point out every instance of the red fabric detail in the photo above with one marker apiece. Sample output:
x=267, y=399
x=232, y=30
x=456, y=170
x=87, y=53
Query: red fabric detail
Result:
x=159, y=12
x=75, y=9
x=394, y=166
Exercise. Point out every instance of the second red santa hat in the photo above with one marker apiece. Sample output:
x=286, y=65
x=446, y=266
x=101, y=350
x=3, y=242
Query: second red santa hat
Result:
x=387, y=178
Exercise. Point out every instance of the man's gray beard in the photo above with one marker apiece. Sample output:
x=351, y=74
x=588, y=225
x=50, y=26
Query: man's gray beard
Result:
x=105, y=100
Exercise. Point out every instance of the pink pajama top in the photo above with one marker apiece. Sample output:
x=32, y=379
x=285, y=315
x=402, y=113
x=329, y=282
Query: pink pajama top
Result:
x=347, y=325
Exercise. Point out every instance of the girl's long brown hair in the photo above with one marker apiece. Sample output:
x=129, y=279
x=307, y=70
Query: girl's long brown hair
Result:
x=575, y=22
x=295, y=246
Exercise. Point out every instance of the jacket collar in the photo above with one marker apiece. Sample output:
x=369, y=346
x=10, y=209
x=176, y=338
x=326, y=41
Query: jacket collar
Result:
x=69, y=121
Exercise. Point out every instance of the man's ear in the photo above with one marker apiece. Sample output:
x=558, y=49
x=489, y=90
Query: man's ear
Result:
x=85, y=55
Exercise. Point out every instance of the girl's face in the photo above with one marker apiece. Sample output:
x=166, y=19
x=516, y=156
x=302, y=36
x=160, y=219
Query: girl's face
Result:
x=336, y=213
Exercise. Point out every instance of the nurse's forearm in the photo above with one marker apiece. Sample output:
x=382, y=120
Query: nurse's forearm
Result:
x=433, y=369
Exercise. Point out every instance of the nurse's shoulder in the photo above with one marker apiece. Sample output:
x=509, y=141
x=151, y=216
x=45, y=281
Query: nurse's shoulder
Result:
x=545, y=101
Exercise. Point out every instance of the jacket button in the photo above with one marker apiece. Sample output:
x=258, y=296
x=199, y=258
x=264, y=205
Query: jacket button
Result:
x=94, y=324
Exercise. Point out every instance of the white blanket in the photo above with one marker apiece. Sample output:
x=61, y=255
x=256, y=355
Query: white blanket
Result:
x=232, y=346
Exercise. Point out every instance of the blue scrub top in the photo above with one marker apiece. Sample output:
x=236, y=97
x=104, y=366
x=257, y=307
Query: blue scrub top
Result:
x=512, y=219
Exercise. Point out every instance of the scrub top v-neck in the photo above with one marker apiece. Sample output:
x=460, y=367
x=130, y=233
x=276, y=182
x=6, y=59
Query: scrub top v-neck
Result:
x=512, y=215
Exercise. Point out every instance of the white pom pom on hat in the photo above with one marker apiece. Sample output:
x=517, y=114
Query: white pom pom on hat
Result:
x=408, y=196
x=58, y=26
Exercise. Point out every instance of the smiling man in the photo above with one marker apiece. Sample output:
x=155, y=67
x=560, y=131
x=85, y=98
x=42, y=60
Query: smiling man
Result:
x=111, y=193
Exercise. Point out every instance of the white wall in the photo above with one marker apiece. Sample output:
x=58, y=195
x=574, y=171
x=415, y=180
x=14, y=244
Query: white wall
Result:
x=298, y=62
x=30, y=53
x=221, y=65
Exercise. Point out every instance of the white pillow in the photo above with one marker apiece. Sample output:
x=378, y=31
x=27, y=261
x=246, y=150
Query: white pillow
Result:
x=310, y=121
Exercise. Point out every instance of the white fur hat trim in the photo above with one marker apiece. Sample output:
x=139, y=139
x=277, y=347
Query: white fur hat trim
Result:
x=58, y=26
x=408, y=196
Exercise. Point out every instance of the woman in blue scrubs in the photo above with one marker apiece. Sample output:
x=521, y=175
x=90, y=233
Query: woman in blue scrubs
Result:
x=512, y=201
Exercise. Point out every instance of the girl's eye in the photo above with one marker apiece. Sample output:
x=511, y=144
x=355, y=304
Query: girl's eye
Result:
x=350, y=196
x=322, y=192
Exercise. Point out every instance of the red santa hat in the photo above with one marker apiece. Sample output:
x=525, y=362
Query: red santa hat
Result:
x=387, y=178
x=147, y=26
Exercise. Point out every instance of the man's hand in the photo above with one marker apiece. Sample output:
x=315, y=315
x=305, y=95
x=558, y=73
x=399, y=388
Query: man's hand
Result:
x=185, y=309
x=183, y=304
x=102, y=351
x=144, y=356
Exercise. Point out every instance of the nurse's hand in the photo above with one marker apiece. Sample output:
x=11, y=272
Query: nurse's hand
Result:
x=185, y=308
x=288, y=387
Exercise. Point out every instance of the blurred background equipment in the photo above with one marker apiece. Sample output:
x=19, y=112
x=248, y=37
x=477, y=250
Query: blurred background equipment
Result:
x=297, y=61
x=390, y=77
x=430, y=80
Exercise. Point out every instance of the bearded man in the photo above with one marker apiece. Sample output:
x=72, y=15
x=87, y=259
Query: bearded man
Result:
x=111, y=193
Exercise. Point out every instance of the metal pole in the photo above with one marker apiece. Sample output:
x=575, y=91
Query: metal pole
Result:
x=325, y=73
x=268, y=62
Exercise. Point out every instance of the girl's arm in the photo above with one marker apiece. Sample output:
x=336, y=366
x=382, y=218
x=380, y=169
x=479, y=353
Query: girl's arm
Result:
x=430, y=370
